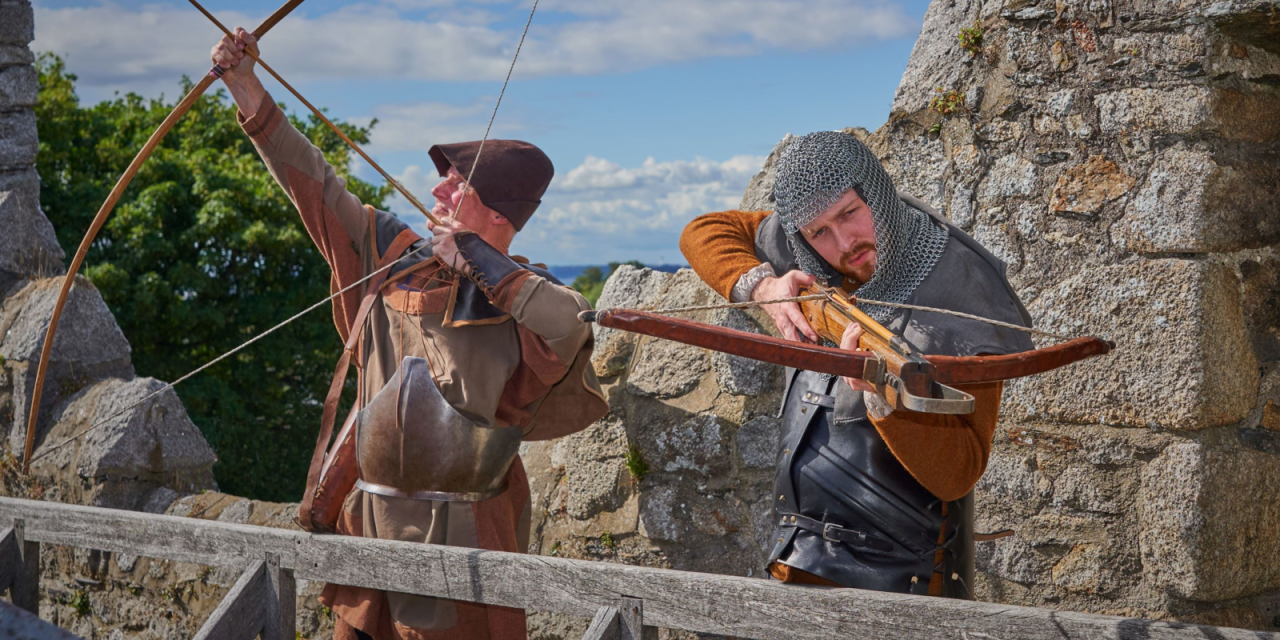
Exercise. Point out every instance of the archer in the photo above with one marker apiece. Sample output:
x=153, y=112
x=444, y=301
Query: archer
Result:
x=867, y=494
x=463, y=351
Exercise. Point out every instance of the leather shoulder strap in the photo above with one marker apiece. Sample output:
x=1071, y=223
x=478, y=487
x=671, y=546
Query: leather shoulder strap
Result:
x=372, y=292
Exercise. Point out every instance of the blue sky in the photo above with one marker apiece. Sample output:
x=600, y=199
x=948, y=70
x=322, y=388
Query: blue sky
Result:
x=653, y=111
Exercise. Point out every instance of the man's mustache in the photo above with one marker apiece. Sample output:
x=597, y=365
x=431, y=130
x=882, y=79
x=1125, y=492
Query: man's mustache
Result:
x=856, y=251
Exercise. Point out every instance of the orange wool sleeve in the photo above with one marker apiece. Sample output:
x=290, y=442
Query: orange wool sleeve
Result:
x=947, y=454
x=722, y=246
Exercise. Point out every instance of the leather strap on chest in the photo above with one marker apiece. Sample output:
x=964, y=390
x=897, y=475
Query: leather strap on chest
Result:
x=320, y=503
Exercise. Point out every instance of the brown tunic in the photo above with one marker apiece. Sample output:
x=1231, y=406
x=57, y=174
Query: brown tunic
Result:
x=528, y=368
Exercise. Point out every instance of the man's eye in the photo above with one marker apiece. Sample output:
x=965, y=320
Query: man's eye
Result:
x=819, y=232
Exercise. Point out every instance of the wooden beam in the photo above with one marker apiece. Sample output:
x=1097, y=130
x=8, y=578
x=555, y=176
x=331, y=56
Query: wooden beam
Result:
x=10, y=558
x=241, y=614
x=24, y=590
x=631, y=612
x=706, y=603
x=280, y=621
x=16, y=624
x=604, y=626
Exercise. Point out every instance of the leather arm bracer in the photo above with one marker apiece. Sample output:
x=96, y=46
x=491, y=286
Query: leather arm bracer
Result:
x=488, y=265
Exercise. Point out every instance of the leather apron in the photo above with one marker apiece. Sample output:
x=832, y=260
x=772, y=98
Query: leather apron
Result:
x=847, y=510
x=411, y=443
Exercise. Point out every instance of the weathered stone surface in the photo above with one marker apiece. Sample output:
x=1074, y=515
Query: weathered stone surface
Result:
x=1178, y=110
x=758, y=441
x=743, y=376
x=1010, y=175
x=18, y=87
x=1213, y=524
x=627, y=288
x=28, y=247
x=1084, y=188
x=154, y=438
x=663, y=368
x=87, y=332
x=936, y=59
x=18, y=138
x=1182, y=360
x=1192, y=204
x=17, y=24
x=592, y=462
x=696, y=445
x=13, y=54
x=759, y=194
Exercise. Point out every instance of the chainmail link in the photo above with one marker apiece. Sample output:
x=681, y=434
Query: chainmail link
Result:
x=814, y=172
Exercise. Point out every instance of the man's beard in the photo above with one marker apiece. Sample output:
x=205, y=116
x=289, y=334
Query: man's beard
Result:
x=863, y=270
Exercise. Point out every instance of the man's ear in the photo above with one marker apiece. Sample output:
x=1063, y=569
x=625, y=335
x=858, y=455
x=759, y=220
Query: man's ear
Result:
x=497, y=219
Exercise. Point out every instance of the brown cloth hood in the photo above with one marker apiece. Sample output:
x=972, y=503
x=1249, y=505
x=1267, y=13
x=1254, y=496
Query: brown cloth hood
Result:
x=511, y=177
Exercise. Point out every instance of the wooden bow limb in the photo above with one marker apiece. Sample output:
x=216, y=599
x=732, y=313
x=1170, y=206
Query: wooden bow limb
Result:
x=101, y=218
x=350, y=143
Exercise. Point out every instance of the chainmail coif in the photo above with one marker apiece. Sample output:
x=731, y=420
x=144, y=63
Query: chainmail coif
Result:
x=814, y=172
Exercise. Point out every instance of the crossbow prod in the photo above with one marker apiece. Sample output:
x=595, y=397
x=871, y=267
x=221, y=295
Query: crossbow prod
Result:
x=904, y=377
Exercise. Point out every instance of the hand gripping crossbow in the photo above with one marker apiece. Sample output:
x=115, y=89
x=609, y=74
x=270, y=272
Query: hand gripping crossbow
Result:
x=906, y=378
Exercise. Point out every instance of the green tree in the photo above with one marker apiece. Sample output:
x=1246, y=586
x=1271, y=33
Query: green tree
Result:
x=203, y=251
x=590, y=283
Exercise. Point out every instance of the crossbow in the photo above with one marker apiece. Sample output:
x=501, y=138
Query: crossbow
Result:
x=906, y=378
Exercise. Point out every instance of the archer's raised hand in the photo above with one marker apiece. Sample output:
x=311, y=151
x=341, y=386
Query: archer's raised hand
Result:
x=229, y=54
x=786, y=316
x=444, y=244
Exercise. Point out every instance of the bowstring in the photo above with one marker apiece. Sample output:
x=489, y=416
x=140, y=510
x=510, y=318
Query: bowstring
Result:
x=896, y=305
x=426, y=245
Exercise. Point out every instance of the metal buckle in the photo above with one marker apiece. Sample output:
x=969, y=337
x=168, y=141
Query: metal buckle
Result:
x=826, y=531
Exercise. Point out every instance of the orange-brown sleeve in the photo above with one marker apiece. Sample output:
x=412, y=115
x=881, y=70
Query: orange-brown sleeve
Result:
x=947, y=454
x=335, y=219
x=722, y=246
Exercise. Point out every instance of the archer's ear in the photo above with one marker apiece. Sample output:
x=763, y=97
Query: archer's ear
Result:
x=498, y=220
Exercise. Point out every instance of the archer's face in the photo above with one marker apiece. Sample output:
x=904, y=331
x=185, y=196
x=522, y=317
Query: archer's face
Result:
x=844, y=235
x=450, y=197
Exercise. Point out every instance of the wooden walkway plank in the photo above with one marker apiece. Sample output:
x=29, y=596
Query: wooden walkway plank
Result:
x=10, y=558
x=280, y=621
x=604, y=626
x=16, y=624
x=631, y=611
x=716, y=604
x=241, y=614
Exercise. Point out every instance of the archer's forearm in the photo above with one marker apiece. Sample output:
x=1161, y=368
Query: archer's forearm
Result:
x=248, y=93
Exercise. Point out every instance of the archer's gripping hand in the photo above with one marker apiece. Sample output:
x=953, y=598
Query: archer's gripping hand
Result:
x=849, y=342
x=786, y=316
x=229, y=55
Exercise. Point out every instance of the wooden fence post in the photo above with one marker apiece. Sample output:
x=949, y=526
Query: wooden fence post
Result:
x=280, y=621
x=631, y=611
x=25, y=588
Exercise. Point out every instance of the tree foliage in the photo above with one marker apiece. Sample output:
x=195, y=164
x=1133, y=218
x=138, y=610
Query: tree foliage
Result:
x=203, y=252
x=590, y=283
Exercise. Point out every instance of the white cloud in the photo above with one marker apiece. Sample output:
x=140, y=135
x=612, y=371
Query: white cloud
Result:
x=418, y=125
x=600, y=211
x=147, y=48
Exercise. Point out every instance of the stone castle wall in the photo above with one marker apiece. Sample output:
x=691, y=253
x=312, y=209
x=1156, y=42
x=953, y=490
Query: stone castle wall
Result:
x=1123, y=156
x=1124, y=159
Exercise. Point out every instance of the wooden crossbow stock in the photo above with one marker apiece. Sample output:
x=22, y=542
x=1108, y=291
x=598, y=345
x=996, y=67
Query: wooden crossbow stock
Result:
x=905, y=378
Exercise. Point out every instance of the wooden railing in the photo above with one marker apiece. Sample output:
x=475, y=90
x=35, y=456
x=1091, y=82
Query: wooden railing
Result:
x=618, y=598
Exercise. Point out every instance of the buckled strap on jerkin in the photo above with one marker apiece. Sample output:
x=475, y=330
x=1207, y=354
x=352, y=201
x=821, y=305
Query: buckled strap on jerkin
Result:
x=836, y=533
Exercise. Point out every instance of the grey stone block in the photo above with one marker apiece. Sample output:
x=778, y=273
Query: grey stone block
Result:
x=15, y=54
x=743, y=376
x=87, y=332
x=1183, y=358
x=18, y=143
x=17, y=22
x=667, y=369
x=153, y=440
x=627, y=288
x=19, y=87
x=1211, y=529
x=28, y=246
x=1190, y=203
x=758, y=442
